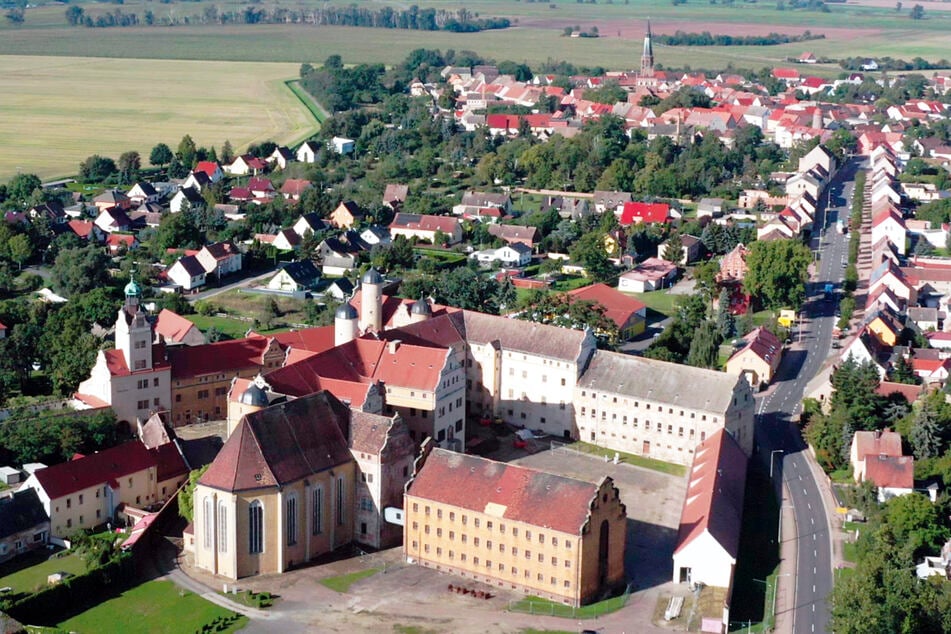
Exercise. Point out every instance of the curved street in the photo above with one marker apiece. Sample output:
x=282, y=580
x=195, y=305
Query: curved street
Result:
x=781, y=446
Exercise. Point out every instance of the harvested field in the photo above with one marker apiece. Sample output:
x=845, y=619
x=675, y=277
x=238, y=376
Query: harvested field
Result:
x=56, y=111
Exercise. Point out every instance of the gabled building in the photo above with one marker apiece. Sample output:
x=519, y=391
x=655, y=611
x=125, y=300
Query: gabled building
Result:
x=570, y=552
x=877, y=456
x=24, y=524
x=88, y=491
x=627, y=313
x=220, y=258
x=708, y=541
x=424, y=227
x=295, y=277
x=173, y=329
x=188, y=273
x=347, y=214
x=758, y=359
x=514, y=234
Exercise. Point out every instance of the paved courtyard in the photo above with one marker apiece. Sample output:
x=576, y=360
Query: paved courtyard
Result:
x=406, y=595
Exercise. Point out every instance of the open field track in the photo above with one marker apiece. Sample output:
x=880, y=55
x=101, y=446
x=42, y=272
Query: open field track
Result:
x=56, y=111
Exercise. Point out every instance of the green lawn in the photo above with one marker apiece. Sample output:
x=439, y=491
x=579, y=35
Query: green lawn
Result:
x=638, y=461
x=537, y=605
x=659, y=301
x=29, y=572
x=342, y=583
x=850, y=552
x=151, y=608
x=228, y=326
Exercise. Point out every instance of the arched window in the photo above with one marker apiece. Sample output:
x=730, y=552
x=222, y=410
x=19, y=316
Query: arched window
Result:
x=255, y=527
x=209, y=510
x=317, y=523
x=340, y=508
x=291, y=520
x=222, y=527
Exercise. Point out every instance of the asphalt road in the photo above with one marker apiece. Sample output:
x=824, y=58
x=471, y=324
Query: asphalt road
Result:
x=781, y=446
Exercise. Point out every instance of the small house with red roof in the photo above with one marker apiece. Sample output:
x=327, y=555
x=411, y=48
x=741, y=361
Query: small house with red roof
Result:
x=211, y=169
x=638, y=212
x=89, y=491
x=787, y=75
x=649, y=275
x=416, y=227
x=220, y=258
x=583, y=536
x=173, y=329
x=877, y=456
x=708, y=540
x=294, y=188
x=758, y=359
x=807, y=58
x=245, y=165
x=628, y=313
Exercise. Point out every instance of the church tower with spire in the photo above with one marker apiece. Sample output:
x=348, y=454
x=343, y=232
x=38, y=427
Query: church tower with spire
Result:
x=647, y=56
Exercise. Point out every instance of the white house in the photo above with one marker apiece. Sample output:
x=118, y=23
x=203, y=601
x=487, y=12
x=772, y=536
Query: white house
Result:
x=189, y=196
x=307, y=152
x=295, y=277
x=649, y=275
x=188, y=273
x=889, y=224
x=342, y=145
x=708, y=540
x=220, y=258
x=512, y=255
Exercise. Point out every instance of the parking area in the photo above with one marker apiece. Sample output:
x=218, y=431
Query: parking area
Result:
x=400, y=595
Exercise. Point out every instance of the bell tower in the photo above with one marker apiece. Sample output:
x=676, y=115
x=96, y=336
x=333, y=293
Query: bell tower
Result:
x=133, y=331
x=647, y=56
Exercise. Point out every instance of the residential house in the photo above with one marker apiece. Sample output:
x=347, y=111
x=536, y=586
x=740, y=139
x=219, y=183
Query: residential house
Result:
x=649, y=275
x=690, y=248
x=188, y=198
x=347, y=214
x=113, y=220
x=261, y=188
x=638, y=212
x=877, y=456
x=515, y=234
x=284, y=240
x=24, y=524
x=758, y=359
x=374, y=235
x=865, y=348
x=925, y=318
x=473, y=200
x=818, y=156
x=245, y=165
x=342, y=145
x=294, y=188
x=708, y=540
x=143, y=192
x=454, y=503
x=53, y=211
x=112, y=199
x=658, y=409
x=394, y=195
x=416, y=227
x=885, y=325
x=710, y=208
x=85, y=230
x=89, y=491
x=610, y=201
x=339, y=289
x=337, y=257
x=295, y=277
x=121, y=242
x=188, y=273
x=281, y=157
x=211, y=169
x=627, y=313
x=309, y=222
x=3, y=331
x=733, y=265
x=220, y=258
x=890, y=224
x=173, y=329
x=197, y=181
x=307, y=152
x=514, y=255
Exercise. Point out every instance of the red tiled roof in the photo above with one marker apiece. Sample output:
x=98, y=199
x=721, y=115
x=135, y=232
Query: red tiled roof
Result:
x=785, y=73
x=296, y=186
x=764, y=345
x=81, y=228
x=890, y=471
x=172, y=326
x=168, y=462
x=419, y=222
x=645, y=212
x=928, y=366
x=208, y=168
x=90, y=400
x=117, y=239
x=521, y=494
x=282, y=444
x=909, y=392
x=875, y=443
x=618, y=307
x=714, y=498
x=115, y=360
x=109, y=465
x=310, y=339
x=228, y=357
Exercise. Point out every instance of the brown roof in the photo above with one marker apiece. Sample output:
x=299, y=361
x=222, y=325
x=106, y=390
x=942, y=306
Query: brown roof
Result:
x=877, y=443
x=890, y=471
x=763, y=344
x=395, y=193
x=368, y=432
x=514, y=232
x=224, y=356
x=618, y=307
x=714, y=502
x=420, y=222
x=281, y=444
x=520, y=494
x=909, y=392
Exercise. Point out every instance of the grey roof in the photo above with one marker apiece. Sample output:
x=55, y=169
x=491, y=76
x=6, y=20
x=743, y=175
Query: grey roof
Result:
x=303, y=272
x=21, y=512
x=521, y=336
x=254, y=395
x=372, y=276
x=346, y=311
x=421, y=307
x=687, y=386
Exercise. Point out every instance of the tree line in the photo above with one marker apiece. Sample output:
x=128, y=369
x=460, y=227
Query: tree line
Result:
x=682, y=38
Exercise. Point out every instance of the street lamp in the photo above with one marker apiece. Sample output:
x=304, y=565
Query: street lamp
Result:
x=773, y=453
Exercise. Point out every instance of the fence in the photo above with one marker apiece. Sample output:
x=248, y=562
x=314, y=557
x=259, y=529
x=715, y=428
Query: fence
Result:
x=541, y=607
x=564, y=448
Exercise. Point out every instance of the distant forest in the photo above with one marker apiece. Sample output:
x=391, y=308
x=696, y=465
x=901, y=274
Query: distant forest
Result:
x=681, y=38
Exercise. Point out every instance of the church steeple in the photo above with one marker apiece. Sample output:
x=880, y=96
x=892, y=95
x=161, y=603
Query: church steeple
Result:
x=647, y=57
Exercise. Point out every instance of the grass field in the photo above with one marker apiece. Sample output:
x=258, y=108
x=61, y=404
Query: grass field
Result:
x=537, y=605
x=153, y=607
x=29, y=572
x=56, y=111
x=342, y=583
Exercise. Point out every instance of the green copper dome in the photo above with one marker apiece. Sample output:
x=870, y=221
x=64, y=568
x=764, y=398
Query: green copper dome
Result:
x=132, y=289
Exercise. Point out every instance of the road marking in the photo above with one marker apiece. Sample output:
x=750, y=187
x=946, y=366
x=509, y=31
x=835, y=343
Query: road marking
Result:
x=809, y=504
x=804, y=492
x=813, y=588
x=813, y=537
x=812, y=520
x=815, y=553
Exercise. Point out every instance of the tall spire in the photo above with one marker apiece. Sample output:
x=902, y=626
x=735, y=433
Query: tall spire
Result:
x=647, y=57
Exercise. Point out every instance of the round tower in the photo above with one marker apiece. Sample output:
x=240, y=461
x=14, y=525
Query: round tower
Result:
x=345, y=324
x=371, y=301
x=421, y=310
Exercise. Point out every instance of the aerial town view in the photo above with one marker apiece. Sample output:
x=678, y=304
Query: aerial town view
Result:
x=504, y=316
